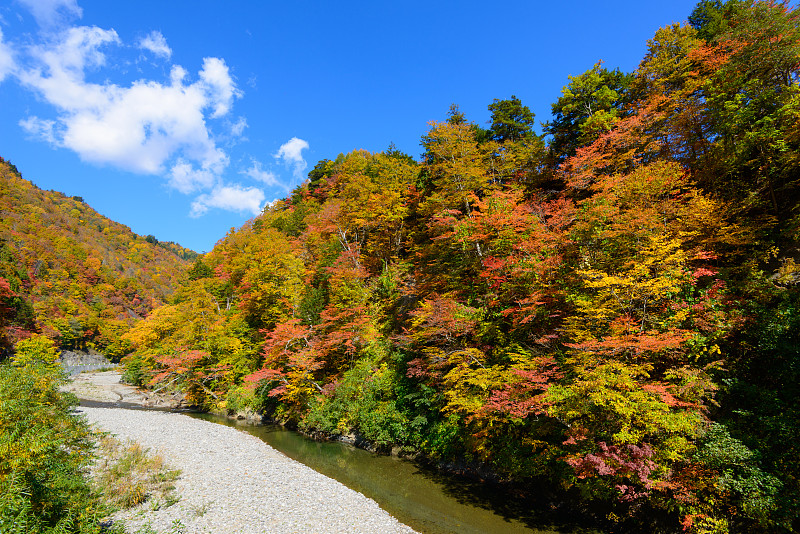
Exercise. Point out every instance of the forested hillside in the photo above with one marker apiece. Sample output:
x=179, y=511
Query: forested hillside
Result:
x=610, y=306
x=73, y=275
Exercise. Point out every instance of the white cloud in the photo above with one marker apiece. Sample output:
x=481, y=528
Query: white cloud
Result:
x=138, y=128
x=6, y=58
x=219, y=85
x=291, y=153
x=256, y=172
x=60, y=71
x=231, y=198
x=237, y=128
x=161, y=127
x=187, y=179
x=40, y=129
x=49, y=13
x=156, y=43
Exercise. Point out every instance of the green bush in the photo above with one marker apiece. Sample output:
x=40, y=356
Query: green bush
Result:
x=363, y=401
x=241, y=399
x=740, y=479
x=44, y=452
x=134, y=371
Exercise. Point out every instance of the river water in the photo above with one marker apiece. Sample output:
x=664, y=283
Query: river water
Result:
x=425, y=500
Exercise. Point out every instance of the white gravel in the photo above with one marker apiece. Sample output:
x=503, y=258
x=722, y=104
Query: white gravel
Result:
x=232, y=482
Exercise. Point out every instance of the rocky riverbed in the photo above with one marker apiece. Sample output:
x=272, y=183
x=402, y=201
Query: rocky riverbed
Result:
x=105, y=387
x=230, y=482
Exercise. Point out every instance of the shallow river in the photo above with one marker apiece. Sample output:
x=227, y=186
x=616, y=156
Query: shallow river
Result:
x=426, y=501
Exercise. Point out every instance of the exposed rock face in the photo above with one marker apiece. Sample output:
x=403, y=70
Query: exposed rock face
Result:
x=75, y=363
x=69, y=358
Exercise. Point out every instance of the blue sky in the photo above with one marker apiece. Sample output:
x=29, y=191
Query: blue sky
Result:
x=181, y=119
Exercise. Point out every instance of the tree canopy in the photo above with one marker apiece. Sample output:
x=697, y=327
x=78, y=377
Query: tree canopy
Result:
x=612, y=309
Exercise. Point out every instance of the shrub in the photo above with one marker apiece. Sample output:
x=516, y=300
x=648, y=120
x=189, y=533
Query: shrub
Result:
x=134, y=371
x=36, y=349
x=362, y=401
x=241, y=399
x=44, y=452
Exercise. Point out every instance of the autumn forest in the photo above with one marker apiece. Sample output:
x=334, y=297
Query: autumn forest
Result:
x=610, y=308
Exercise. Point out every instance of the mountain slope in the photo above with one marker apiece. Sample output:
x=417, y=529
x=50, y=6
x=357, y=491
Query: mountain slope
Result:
x=73, y=274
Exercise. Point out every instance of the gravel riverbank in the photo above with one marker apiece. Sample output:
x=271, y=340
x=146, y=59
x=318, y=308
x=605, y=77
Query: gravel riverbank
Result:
x=232, y=482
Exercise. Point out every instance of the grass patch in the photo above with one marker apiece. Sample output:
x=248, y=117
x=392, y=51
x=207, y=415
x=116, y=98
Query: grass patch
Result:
x=128, y=475
x=177, y=527
x=200, y=510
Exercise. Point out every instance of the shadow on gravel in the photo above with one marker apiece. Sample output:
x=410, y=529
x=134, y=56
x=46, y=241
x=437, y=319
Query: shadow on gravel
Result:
x=132, y=406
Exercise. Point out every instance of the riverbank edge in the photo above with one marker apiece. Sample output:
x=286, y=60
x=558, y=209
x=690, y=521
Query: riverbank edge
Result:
x=477, y=472
x=224, y=504
x=541, y=494
x=559, y=502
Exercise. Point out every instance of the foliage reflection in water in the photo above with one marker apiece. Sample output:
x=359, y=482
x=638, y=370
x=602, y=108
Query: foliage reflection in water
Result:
x=429, y=502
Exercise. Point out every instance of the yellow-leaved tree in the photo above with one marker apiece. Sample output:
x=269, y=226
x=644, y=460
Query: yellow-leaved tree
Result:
x=36, y=350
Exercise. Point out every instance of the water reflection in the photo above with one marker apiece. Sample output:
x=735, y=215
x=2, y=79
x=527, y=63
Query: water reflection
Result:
x=424, y=499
